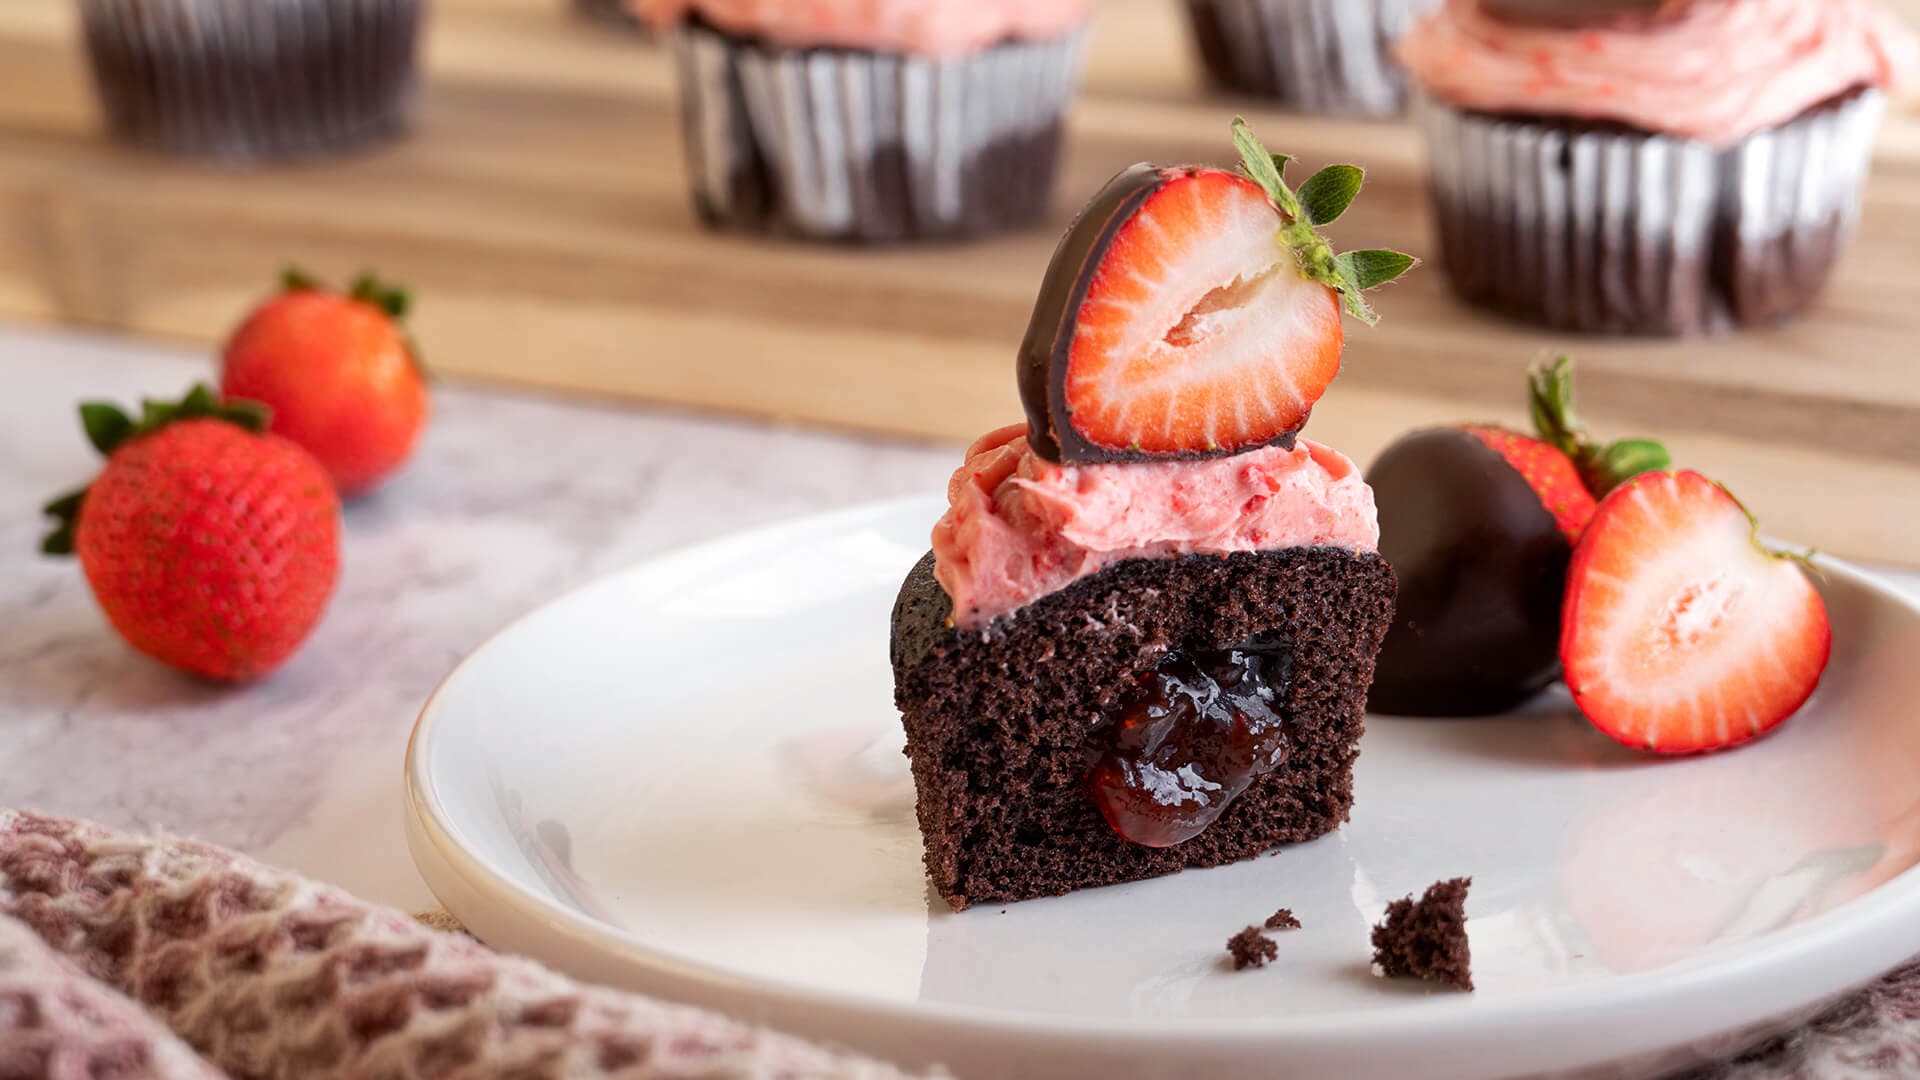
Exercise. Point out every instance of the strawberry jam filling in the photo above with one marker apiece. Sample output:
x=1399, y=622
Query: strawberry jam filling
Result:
x=1200, y=727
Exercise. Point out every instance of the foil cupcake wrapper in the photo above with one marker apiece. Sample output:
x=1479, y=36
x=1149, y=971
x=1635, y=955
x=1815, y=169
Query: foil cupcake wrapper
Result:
x=863, y=146
x=246, y=79
x=1326, y=56
x=1616, y=232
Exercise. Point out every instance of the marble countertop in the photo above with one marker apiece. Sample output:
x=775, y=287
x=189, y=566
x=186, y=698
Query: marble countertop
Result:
x=511, y=499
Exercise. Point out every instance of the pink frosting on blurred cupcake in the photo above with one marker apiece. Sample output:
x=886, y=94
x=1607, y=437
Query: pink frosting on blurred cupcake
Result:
x=926, y=27
x=1714, y=70
x=1019, y=527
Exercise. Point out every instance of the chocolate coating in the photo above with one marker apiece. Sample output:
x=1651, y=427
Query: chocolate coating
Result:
x=1048, y=345
x=1482, y=571
x=1049, y=341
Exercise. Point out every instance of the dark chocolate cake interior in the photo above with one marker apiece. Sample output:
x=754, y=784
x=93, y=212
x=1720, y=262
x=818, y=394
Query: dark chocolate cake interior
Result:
x=1012, y=729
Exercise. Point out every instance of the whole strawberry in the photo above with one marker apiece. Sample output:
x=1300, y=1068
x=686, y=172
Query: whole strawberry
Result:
x=211, y=545
x=339, y=374
x=1479, y=523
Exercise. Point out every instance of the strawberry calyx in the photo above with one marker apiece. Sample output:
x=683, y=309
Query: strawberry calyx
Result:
x=1603, y=467
x=390, y=297
x=368, y=288
x=108, y=428
x=1322, y=200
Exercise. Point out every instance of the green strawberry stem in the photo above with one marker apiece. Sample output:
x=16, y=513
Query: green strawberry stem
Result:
x=1602, y=467
x=1320, y=201
x=108, y=428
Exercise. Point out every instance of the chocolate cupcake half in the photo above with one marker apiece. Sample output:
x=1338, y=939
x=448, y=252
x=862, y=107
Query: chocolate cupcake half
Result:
x=1633, y=174
x=1145, y=634
x=245, y=79
x=1050, y=754
x=1322, y=56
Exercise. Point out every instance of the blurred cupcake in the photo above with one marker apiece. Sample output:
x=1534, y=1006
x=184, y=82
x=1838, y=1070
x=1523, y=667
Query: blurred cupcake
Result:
x=1324, y=56
x=253, y=78
x=873, y=121
x=612, y=12
x=1615, y=167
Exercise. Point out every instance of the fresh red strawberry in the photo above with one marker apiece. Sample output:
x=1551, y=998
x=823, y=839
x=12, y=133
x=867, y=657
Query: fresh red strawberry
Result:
x=337, y=371
x=1479, y=523
x=210, y=544
x=1193, y=312
x=1681, y=631
x=1550, y=473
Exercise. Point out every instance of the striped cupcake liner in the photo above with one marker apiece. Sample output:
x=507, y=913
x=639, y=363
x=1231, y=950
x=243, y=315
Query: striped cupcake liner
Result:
x=1324, y=56
x=842, y=144
x=613, y=12
x=244, y=79
x=1607, y=231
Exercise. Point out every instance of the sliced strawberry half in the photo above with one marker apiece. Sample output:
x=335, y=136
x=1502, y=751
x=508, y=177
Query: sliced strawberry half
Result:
x=1681, y=632
x=1194, y=312
x=1198, y=332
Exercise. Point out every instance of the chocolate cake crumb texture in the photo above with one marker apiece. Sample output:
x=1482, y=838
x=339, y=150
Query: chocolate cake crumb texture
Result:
x=1251, y=948
x=1427, y=938
x=1002, y=726
x=1282, y=920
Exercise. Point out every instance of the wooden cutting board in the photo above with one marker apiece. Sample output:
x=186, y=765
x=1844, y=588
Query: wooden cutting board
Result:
x=540, y=211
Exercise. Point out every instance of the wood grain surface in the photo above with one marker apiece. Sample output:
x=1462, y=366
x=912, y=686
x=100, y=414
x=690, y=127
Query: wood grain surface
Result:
x=540, y=210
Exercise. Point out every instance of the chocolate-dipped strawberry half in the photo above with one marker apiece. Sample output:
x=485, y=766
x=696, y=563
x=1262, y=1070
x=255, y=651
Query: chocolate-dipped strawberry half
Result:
x=1479, y=523
x=1143, y=638
x=1194, y=312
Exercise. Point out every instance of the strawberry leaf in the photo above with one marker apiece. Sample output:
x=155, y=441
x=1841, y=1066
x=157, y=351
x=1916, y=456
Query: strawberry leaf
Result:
x=1375, y=267
x=1352, y=292
x=65, y=512
x=294, y=279
x=393, y=299
x=1620, y=462
x=255, y=416
x=1327, y=194
x=155, y=415
x=106, y=426
x=198, y=402
x=1264, y=168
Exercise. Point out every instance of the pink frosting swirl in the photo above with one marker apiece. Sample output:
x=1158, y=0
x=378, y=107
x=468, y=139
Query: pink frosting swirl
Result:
x=1713, y=70
x=926, y=27
x=1018, y=527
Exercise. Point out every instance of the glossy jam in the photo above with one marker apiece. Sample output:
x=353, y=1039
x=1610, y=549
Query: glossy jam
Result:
x=1200, y=727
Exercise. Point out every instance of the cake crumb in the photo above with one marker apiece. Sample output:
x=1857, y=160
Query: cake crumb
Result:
x=1283, y=920
x=1251, y=948
x=1427, y=938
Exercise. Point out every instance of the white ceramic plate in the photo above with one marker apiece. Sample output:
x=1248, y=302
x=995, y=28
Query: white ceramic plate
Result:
x=686, y=779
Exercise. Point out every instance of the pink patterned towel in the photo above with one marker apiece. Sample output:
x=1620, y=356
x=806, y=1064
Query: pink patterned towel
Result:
x=57, y=1024
x=268, y=974
x=1874, y=1033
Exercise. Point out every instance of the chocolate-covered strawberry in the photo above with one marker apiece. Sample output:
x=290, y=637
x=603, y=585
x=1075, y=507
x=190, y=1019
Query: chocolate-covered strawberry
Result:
x=1479, y=523
x=1194, y=312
